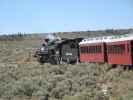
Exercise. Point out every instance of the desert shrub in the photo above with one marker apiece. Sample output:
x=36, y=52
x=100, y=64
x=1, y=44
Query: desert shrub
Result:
x=120, y=98
x=56, y=81
x=89, y=94
x=127, y=75
x=74, y=82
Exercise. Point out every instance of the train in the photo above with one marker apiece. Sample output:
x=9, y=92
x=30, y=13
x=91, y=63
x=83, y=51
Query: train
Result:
x=114, y=50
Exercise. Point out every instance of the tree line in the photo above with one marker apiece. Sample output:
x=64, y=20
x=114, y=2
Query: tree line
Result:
x=16, y=36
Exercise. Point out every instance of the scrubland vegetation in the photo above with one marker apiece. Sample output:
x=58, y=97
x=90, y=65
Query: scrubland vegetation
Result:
x=23, y=78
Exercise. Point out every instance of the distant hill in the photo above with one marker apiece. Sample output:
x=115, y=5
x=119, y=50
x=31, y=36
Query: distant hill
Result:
x=67, y=35
x=94, y=33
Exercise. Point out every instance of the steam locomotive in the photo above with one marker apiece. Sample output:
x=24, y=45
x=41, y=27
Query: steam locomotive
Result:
x=117, y=50
x=59, y=51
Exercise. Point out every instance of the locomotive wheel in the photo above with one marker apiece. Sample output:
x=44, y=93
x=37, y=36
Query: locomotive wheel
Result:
x=41, y=59
x=57, y=58
x=68, y=61
x=52, y=60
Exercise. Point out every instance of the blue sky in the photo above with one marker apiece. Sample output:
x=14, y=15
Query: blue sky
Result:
x=64, y=15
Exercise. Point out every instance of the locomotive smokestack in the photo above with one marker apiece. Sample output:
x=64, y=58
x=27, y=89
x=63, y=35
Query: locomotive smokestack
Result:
x=51, y=37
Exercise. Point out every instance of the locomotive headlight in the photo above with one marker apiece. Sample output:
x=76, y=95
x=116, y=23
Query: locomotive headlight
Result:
x=42, y=49
x=57, y=52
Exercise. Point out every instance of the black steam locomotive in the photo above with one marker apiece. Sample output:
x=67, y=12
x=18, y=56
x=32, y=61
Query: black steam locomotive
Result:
x=59, y=51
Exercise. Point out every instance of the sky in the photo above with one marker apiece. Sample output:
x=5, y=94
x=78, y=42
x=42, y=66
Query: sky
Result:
x=44, y=16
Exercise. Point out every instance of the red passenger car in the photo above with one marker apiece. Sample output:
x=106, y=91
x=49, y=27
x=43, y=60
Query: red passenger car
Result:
x=92, y=50
x=120, y=52
x=116, y=49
